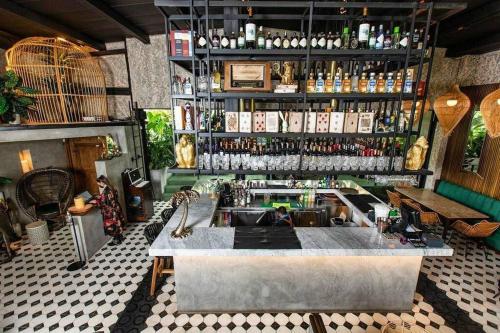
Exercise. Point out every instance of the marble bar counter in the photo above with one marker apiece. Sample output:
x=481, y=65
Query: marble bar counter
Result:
x=336, y=269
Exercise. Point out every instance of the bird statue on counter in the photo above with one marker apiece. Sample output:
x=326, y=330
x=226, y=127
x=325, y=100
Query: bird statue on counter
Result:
x=184, y=153
x=415, y=157
x=185, y=197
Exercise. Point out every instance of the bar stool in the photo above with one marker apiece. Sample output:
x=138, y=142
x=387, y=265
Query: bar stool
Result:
x=394, y=199
x=161, y=265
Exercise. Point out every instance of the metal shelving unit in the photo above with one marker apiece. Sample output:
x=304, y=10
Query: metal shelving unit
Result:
x=203, y=14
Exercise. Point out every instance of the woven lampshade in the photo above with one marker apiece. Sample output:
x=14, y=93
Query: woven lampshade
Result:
x=70, y=83
x=490, y=109
x=450, y=108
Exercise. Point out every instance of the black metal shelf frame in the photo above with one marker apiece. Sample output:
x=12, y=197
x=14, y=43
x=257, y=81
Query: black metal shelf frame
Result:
x=201, y=60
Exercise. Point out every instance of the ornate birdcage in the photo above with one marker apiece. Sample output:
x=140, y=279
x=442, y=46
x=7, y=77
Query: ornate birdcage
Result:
x=69, y=82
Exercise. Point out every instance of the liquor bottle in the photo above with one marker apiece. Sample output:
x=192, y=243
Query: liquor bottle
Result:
x=329, y=83
x=261, y=39
x=345, y=38
x=320, y=83
x=337, y=41
x=269, y=41
x=314, y=41
x=363, y=83
x=414, y=39
x=188, y=87
x=379, y=44
x=364, y=30
x=311, y=83
x=372, y=40
x=399, y=82
x=277, y=41
x=396, y=38
x=329, y=41
x=372, y=83
x=241, y=39
x=380, y=83
x=294, y=43
x=408, y=82
x=233, y=41
x=201, y=42
x=405, y=38
x=387, y=40
x=188, y=121
x=285, y=42
x=224, y=42
x=354, y=43
x=420, y=43
x=216, y=80
x=355, y=80
x=389, y=84
x=346, y=84
x=215, y=39
x=250, y=30
x=337, y=83
x=321, y=41
x=303, y=41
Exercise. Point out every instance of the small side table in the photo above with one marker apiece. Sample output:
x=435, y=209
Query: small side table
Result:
x=89, y=226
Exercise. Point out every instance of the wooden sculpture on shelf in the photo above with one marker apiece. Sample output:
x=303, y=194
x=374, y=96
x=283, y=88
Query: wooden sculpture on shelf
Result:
x=415, y=157
x=185, y=198
x=184, y=153
x=490, y=109
x=450, y=108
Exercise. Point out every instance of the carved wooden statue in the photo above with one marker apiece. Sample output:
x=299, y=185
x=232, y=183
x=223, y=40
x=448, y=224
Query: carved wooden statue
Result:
x=415, y=157
x=184, y=153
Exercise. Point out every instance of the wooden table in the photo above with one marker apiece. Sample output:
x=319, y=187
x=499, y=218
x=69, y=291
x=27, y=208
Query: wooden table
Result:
x=448, y=209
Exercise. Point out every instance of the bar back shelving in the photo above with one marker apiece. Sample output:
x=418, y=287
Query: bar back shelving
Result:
x=306, y=17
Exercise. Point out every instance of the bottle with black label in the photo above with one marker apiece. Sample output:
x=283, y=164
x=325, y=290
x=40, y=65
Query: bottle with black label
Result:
x=303, y=41
x=364, y=30
x=224, y=41
x=277, y=41
x=269, y=41
x=372, y=40
x=414, y=39
x=201, y=42
x=233, y=41
x=285, y=42
x=261, y=39
x=250, y=30
x=215, y=39
x=294, y=43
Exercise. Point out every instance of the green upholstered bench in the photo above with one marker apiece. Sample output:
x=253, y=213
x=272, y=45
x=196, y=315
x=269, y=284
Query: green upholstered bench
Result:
x=474, y=200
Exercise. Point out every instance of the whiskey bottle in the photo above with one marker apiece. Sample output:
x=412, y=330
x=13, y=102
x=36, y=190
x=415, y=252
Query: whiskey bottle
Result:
x=380, y=83
x=337, y=83
x=294, y=43
x=241, y=39
x=399, y=82
x=372, y=83
x=346, y=84
x=314, y=41
x=320, y=83
x=363, y=84
x=414, y=40
x=201, y=42
x=261, y=39
x=216, y=80
x=321, y=41
x=224, y=42
x=277, y=41
x=420, y=43
x=379, y=44
x=250, y=30
x=364, y=30
x=355, y=80
x=269, y=41
x=408, y=82
x=311, y=83
x=329, y=83
x=372, y=40
x=329, y=41
x=405, y=38
x=396, y=38
x=303, y=41
x=285, y=43
x=233, y=41
x=345, y=38
x=215, y=39
x=389, y=84
x=387, y=40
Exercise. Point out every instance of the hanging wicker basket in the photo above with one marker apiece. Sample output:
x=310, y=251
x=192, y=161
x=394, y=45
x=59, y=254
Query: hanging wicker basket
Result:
x=70, y=83
x=450, y=108
x=490, y=109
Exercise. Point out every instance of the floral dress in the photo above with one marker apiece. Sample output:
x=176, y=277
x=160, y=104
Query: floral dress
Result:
x=111, y=211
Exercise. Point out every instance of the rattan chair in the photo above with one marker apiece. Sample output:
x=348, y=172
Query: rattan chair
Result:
x=427, y=218
x=166, y=214
x=394, y=198
x=475, y=232
x=45, y=194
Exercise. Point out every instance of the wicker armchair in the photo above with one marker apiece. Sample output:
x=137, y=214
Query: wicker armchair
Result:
x=427, y=218
x=394, y=199
x=478, y=231
x=45, y=193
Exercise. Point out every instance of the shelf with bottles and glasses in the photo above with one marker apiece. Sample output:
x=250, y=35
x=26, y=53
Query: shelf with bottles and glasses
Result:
x=296, y=135
x=311, y=173
x=310, y=96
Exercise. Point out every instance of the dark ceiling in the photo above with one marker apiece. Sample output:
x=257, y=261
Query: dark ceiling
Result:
x=471, y=31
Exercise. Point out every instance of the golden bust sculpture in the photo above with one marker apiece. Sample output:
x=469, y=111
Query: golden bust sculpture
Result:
x=415, y=157
x=184, y=153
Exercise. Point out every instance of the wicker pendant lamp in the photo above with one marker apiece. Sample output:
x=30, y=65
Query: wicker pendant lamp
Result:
x=450, y=108
x=490, y=109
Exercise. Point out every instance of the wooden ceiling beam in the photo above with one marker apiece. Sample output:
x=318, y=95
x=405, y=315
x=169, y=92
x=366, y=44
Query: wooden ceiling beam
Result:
x=111, y=13
x=50, y=25
x=474, y=46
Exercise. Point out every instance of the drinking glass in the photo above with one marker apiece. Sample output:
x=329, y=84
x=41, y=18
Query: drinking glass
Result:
x=279, y=160
x=235, y=161
x=295, y=162
x=337, y=162
x=254, y=162
x=398, y=163
x=372, y=163
x=225, y=162
x=245, y=161
x=363, y=163
x=354, y=162
x=330, y=163
x=216, y=161
x=380, y=163
x=206, y=161
x=313, y=163
x=288, y=162
x=346, y=162
x=305, y=162
x=322, y=163
x=200, y=161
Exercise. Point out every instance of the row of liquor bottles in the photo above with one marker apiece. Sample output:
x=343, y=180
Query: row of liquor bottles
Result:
x=285, y=154
x=364, y=119
x=366, y=36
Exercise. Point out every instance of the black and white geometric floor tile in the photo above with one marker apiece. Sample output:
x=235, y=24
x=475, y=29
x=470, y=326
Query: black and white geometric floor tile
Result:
x=37, y=294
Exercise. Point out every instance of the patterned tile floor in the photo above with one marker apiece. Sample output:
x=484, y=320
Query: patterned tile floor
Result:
x=37, y=294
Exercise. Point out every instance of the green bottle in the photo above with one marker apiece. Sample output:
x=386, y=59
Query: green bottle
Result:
x=396, y=37
x=345, y=38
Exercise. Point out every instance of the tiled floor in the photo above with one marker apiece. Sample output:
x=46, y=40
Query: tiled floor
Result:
x=37, y=294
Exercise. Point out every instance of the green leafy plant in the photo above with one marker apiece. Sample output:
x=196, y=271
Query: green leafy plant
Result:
x=477, y=134
x=160, y=139
x=13, y=96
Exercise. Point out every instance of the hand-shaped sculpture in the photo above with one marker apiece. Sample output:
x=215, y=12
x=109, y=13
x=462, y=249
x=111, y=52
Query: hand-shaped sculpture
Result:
x=185, y=197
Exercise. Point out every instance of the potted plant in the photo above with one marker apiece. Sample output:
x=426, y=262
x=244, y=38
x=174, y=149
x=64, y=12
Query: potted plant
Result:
x=14, y=101
x=160, y=148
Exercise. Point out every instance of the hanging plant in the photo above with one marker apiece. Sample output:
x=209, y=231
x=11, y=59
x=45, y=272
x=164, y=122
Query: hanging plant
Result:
x=14, y=97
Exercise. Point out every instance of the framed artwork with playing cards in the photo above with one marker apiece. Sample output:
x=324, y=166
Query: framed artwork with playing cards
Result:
x=311, y=122
x=365, y=122
x=351, y=122
x=322, y=122
x=336, y=122
x=295, y=122
x=259, y=122
x=232, y=121
x=245, y=122
x=272, y=122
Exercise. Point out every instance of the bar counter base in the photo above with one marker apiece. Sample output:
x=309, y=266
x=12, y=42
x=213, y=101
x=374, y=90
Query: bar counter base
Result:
x=298, y=284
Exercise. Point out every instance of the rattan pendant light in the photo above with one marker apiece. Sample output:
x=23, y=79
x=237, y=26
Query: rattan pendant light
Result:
x=450, y=108
x=70, y=83
x=490, y=109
